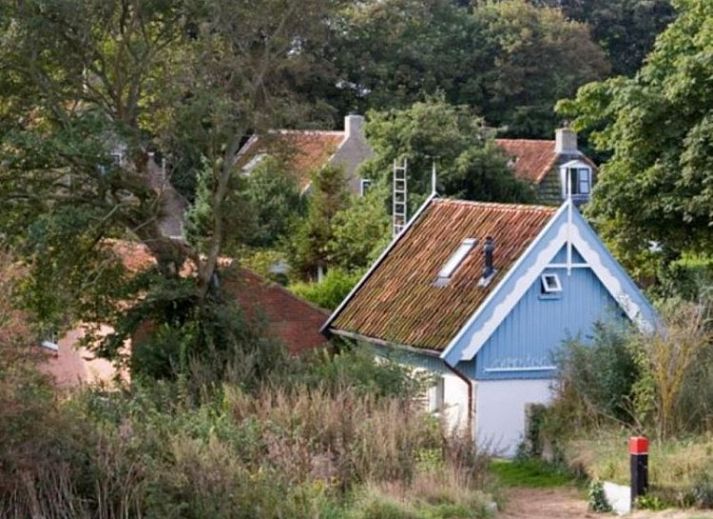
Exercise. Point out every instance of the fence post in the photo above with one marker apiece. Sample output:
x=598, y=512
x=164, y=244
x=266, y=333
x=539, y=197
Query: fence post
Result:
x=639, y=458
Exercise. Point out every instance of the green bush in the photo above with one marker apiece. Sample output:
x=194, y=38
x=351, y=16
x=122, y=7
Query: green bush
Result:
x=330, y=291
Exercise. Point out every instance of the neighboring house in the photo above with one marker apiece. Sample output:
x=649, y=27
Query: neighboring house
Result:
x=481, y=295
x=304, y=151
x=289, y=319
x=551, y=166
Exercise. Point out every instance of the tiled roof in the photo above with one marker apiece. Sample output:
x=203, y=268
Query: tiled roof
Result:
x=293, y=321
x=399, y=302
x=290, y=319
x=533, y=158
x=302, y=151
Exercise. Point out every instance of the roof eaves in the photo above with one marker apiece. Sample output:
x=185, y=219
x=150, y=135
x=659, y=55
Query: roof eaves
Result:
x=381, y=342
x=514, y=268
x=378, y=261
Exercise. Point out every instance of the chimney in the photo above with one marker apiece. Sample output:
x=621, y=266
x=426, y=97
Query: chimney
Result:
x=354, y=126
x=488, y=250
x=566, y=141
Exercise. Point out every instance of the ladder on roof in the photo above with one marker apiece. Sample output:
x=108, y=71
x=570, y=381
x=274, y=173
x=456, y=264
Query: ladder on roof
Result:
x=400, y=197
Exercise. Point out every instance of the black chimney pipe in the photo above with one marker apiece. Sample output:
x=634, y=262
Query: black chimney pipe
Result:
x=488, y=250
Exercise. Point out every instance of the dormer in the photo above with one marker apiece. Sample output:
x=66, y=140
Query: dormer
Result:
x=576, y=178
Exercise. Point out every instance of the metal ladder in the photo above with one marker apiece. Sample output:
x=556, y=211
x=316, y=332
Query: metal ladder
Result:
x=400, y=197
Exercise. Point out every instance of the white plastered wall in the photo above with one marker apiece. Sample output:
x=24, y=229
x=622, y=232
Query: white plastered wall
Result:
x=500, y=411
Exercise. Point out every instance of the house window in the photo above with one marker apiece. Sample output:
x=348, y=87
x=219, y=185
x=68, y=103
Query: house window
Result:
x=444, y=275
x=436, y=398
x=580, y=180
x=364, y=186
x=550, y=284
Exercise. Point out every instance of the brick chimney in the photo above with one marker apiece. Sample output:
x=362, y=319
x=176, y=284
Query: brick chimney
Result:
x=566, y=141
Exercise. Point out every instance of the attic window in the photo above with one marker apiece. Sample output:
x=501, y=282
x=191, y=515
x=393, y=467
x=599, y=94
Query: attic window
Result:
x=455, y=260
x=551, y=284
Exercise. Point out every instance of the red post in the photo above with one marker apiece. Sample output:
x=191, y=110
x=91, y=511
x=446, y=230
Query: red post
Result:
x=639, y=459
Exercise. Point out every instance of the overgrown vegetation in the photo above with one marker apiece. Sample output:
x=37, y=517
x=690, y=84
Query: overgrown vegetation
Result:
x=631, y=382
x=324, y=441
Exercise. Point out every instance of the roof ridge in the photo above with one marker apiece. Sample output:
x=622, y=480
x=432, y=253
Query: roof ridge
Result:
x=499, y=205
x=307, y=132
x=520, y=139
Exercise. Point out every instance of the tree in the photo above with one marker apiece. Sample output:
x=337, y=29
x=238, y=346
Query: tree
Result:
x=539, y=57
x=469, y=163
x=360, y=232
x=659, y=130
x=625, y=29
x=88, y=79
x=328, y=195
x=509, y=61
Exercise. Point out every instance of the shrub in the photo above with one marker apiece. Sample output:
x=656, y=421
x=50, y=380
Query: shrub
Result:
x=330, y=291
x=597, y=499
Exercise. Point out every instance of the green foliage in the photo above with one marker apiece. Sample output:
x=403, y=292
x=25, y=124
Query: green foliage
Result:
x=510, y=61
x=274, y=198
x=358, y=368
x=328, y=196
x=625, y=29
x=469, y=164
x=597, y=499
x=656, y=185
x=329, y=292
x=535, y=49
x=360, y=232
x=601, y=375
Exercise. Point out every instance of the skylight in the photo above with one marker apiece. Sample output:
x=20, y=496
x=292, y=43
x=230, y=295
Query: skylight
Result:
x=456, y=259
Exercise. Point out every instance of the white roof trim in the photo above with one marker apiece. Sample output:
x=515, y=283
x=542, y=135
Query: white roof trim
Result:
x=502, y=282
x=374, y=266
x=606, y=277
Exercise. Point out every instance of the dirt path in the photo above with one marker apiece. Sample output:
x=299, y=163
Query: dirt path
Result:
x=569, y=503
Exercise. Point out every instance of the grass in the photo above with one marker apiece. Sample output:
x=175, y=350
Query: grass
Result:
x=528, y=473
x=676, y=467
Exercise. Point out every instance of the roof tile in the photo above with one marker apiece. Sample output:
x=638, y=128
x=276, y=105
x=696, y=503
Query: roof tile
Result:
x=399, y=302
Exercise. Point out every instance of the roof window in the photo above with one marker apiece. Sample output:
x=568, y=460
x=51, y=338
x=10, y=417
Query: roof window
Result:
x=455, y=260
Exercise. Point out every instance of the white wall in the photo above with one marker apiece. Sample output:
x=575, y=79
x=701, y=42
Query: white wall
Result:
x=500, y=411
x=455, y=393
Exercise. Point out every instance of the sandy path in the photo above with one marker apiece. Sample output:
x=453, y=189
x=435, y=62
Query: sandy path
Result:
x=569, y=503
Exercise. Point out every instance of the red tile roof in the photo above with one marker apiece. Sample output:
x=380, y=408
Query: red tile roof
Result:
x=290, y=319
x=533, y=158
x=399, y=302
x=302, y=151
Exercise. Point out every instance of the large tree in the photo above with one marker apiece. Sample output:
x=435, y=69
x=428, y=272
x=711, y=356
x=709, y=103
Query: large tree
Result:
x=626, y=29
x=469, y=164
x=510, y=61
x=658, y=126
x=83, y=79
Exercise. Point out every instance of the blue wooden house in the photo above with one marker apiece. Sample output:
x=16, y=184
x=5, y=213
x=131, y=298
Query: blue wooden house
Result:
x=481, y=295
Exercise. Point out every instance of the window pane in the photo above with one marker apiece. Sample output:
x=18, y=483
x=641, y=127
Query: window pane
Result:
x=455, y=260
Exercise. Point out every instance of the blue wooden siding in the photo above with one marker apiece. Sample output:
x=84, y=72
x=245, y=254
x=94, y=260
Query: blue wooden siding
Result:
x=539, y=324
x=561, y=256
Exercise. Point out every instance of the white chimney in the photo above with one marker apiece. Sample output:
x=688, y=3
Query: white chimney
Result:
x=566, y=141
x=354, y=126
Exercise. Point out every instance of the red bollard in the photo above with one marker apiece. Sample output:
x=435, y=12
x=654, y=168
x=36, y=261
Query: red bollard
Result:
x=639, y=454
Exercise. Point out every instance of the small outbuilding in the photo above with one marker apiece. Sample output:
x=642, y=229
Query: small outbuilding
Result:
x=481, y=295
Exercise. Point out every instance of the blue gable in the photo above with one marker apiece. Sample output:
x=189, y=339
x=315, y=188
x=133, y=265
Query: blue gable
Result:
x=522, y=346
x=518, y=327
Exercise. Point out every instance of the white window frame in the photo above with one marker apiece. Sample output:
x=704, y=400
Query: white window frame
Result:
x=548, y=288
x=364, y=186
x=456, y=259
x=583, y=179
